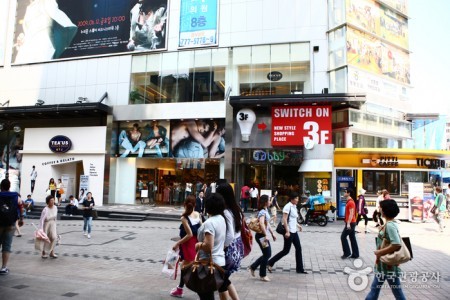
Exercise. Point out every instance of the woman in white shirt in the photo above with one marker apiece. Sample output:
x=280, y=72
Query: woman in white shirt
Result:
x=290, y=216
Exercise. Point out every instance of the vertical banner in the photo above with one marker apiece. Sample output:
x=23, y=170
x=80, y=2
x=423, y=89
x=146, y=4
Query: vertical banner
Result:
x=198, y=23
x=4, y=10
x=84, y=187
x=415, y=195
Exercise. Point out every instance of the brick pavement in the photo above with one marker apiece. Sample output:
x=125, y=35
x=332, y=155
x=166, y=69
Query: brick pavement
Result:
x=123, y=260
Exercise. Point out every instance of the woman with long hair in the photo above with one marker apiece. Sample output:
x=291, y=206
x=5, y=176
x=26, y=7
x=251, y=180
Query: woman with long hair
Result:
x=234, y=248
x=262, y=240
x=52, y=187
x=190, y=222
x=88, y=206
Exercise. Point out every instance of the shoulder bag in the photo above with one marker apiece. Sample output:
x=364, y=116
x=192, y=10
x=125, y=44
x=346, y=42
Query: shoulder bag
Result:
x=203, y=275
x=246, y=237
x=280, y=227
x=402, y=255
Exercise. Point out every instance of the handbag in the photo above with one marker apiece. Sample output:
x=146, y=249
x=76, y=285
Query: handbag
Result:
x=61, y=191
x=246, y=237
x=398, y=257
x=280, y=227
x=203, y=276
x=254, y=225
x=94, y=214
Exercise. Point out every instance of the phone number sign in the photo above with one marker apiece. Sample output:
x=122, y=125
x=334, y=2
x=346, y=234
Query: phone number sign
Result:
x=198, y=23
x=295, y=125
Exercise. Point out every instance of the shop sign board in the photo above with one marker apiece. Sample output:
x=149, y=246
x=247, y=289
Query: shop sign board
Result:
x=198, y=23
x=84, y=28
x=296, y=125
x=60, y=144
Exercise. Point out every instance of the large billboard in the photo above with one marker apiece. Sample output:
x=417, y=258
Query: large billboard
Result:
x=201, y=138
x=379, y=20
x=301, y=125
x=198, y=23
x=46, y=30
x=370, y=54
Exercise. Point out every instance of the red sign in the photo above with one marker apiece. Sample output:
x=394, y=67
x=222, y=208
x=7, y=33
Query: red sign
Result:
x=295, y=125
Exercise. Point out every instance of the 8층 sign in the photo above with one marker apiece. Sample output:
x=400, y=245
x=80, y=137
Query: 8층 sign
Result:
x=295, y=125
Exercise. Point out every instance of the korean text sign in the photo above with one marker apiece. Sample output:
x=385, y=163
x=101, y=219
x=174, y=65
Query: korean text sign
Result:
x=295, y=125
x=198, y=23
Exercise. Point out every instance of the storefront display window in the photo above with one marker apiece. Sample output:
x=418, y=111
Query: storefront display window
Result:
x=412, y=176
x=378, y=180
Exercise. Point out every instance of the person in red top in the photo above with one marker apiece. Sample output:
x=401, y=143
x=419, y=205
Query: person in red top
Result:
x=349, y=229
x=245, y=196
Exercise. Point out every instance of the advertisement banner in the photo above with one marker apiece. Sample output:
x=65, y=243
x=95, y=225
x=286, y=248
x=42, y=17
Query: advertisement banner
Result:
x=198, y=23
x=370, y=54
x=379, y=20
x=297, y=125
x=15, y=145
x=415, y=195
x=46, y=30
x=144, y=139
x=84, y=187
x=4, y=10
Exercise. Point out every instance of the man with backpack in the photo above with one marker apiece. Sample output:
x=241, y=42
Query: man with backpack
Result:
x=11, y=209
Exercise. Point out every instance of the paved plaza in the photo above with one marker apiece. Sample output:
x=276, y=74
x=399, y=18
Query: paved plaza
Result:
x=123, y=261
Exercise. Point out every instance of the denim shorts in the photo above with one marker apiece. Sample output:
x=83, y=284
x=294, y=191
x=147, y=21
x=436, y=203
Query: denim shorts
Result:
x=6, y=237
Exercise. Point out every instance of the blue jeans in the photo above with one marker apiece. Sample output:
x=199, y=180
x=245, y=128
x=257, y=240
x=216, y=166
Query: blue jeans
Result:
x=126, y=144
x=394, y=283
x=292, y=239
x=88, y=224
x=261, y=262
x=351, y=234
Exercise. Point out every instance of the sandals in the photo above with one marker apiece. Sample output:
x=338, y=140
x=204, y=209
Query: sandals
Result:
x=44, y=255
x=269, y=268
x=252, y=272
x=265, y=279
x=53, y=256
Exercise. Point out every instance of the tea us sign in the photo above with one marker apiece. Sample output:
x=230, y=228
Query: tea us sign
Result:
x=60, y=144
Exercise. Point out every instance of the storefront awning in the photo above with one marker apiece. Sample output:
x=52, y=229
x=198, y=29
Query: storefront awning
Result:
x=316, y=165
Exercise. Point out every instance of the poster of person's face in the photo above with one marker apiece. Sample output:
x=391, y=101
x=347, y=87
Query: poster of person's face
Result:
x=144, y=139
x=49, y=29
x=14, y=159
x=201, y=138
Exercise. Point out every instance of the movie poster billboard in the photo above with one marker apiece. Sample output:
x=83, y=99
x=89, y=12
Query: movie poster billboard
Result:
x=198, y=23
x=46, y=30
x=370, y=54
x=144, y=139
x=378, y=20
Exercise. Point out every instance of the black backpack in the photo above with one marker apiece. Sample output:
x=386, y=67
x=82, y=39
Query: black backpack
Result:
x=8, y=208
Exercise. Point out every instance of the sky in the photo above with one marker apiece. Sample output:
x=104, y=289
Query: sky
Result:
x=429, y=42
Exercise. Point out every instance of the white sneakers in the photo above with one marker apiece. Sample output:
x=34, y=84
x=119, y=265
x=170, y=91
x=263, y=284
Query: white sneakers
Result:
x=89, y=236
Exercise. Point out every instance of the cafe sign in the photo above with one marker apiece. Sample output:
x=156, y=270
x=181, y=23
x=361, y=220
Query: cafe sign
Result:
x=60, y=144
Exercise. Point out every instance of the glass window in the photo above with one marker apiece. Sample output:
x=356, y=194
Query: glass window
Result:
x=412, y=176
x=374, y=181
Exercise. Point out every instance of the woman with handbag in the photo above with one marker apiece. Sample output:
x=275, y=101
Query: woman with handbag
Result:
x=190, y=222
x=88, y=206
x=389, y=232
x=262, y=240
x=47, y=224
x=361, y=210
x=211, y=236
x=59, y=191
x=234, y=248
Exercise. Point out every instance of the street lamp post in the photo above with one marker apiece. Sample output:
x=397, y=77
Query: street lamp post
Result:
x=8, y=126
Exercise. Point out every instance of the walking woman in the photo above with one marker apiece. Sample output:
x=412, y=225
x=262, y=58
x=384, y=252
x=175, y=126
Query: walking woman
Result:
x=52, y=187
x=211, y=236
x=361, y=210
x=59, y=192
x=263, y=240
x=88, y=205
x=234, y=248
x=273, y=208
x=383, y=272
x=290, y=216
x=48, y=225
x=190, y=223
